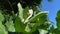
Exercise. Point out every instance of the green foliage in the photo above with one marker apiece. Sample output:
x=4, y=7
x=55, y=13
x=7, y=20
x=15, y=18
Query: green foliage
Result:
x=19, y=26
x=58, y=19
x=20, y=9
x=39, y=17
x=27, y=20
x=13, y=22
x=10, y=25
x=58, y=14
x=2, y=27
x=1, y=16
x=25, y=13
x=58, y=23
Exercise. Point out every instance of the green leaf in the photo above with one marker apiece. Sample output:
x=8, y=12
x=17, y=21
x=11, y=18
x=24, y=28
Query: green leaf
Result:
x=42, y=31
x=1, y=16
x=40, y=20
x=39, y=15
x=51, y=29
x=19, y=26
x=58, y=19
x=58, y=14
x=58, y=23
x=10, y=25
x=20, y=9
x=2, y=29
x=56, y=31
x=45, y=25
x=27, y=28
x=25, y=13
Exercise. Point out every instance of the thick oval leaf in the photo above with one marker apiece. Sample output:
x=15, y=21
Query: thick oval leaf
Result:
x=19, y=26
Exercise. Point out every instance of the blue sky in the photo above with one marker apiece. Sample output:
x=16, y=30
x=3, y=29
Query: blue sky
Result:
x=52, y=8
